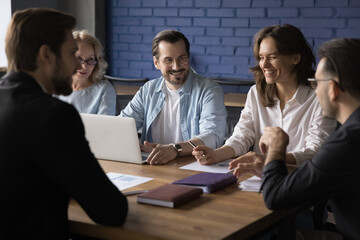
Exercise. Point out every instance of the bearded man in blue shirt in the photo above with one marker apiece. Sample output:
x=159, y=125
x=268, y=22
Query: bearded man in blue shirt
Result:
x=178, y=107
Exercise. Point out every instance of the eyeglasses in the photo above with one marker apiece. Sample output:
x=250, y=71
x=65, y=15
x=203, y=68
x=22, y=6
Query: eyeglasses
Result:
x=183, y=60
x=313, y=82
x=90, y=62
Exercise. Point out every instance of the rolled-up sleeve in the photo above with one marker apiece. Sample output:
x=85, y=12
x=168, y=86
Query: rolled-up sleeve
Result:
x=212, y=122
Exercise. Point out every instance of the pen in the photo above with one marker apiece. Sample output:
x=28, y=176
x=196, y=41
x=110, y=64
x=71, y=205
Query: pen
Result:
x=194, y=146
x=134, y=192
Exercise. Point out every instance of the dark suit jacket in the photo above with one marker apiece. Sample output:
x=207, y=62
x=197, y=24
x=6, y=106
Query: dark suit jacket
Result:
x=334, y=174
x=44, y=160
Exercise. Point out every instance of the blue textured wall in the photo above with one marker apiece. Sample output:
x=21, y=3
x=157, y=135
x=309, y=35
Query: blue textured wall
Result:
x=220, y=31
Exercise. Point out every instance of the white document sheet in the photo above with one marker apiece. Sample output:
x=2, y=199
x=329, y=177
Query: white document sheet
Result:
x=124, y=181
x=252, y=184
x=220, y=167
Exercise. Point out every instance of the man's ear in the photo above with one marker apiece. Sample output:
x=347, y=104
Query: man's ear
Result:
x=45, y=55
x=296, y=59
x=333, y=91
x=156, y=63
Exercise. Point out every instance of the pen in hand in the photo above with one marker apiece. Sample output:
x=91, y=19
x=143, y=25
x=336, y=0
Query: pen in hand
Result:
x=194, y=146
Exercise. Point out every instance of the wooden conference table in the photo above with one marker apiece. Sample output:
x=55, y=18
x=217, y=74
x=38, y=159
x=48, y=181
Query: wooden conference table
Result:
x=225, y=214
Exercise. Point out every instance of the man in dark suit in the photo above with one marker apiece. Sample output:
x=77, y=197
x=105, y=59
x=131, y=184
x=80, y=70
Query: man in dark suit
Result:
x=45, y=158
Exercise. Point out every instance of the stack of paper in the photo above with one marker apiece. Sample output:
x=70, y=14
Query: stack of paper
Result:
x=124, y=181
x=220, y=167
x=252, y=184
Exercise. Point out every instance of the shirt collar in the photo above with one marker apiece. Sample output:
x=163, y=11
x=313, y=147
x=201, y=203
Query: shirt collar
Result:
x=354, y=117
x=42, y=87
x=300, y=94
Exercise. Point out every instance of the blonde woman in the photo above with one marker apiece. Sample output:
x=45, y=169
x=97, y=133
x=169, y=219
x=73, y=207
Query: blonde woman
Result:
x=91, y=93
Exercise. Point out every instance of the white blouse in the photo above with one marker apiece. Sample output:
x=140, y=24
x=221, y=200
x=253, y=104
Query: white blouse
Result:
x=301, y=119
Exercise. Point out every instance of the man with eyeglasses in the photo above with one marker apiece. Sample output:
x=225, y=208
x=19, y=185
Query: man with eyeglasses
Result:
x=178, y=107
x=334, y=173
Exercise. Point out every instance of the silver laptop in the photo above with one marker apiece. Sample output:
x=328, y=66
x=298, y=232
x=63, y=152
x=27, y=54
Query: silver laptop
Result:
x=113, y=138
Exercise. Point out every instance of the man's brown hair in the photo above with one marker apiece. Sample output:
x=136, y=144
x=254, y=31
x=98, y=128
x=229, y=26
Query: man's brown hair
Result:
x=342, y=61
x=171, y=36
x=31, y=28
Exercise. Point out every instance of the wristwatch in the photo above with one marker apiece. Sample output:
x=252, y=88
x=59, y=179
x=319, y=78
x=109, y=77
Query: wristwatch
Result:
x=178, y=149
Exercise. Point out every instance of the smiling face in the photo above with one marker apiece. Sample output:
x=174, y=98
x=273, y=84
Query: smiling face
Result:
x=276, y=68
x=85, y=52
x=175, y=74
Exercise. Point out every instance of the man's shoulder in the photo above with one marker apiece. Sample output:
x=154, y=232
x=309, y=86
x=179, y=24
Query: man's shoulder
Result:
x=152, y=85
x=204, y=84
x=55, y=104
x=99, y=88
x=104, y=84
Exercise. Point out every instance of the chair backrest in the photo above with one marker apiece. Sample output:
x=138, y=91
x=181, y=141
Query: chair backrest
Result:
x=2, y=71
x=233, y=81
x=117, y=79
x=233, y=87
x=119, y=83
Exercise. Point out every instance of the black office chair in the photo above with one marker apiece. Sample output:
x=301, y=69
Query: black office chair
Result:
x=232, y=85
x=123, y=100
x=233, y=81
x=318, y=217
x=129, y=80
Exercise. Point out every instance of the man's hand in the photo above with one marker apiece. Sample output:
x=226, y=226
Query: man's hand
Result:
x=146, y=149
x=250, y=163
x=204, y=155
x=273, y=143
x=161, y=153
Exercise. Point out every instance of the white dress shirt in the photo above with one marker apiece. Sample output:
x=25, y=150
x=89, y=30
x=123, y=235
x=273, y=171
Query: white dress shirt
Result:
x=301, y=119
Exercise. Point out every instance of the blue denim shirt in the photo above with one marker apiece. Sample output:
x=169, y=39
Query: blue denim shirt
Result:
x=202, y=110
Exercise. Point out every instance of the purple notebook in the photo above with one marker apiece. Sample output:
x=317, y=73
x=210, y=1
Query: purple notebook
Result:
x=209, y=182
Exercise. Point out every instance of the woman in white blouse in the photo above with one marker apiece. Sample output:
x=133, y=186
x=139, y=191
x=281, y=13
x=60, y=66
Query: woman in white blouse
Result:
x=91, y=93
x=281, y=97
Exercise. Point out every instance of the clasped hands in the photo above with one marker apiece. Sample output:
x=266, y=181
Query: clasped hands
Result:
x=272, y=145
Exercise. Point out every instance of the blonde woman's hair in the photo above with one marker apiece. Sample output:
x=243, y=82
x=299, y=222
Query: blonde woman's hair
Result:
x=99, y=69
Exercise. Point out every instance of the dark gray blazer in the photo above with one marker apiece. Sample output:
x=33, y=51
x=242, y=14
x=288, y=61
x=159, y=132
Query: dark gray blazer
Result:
x=44, y=160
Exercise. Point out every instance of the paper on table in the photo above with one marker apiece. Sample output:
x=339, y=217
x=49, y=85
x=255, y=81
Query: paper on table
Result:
x=220, y=167
x=124, y=181
x=252, y=184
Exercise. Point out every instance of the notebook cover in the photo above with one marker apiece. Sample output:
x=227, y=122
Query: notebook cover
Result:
x=169, y=195
x=211, y=181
